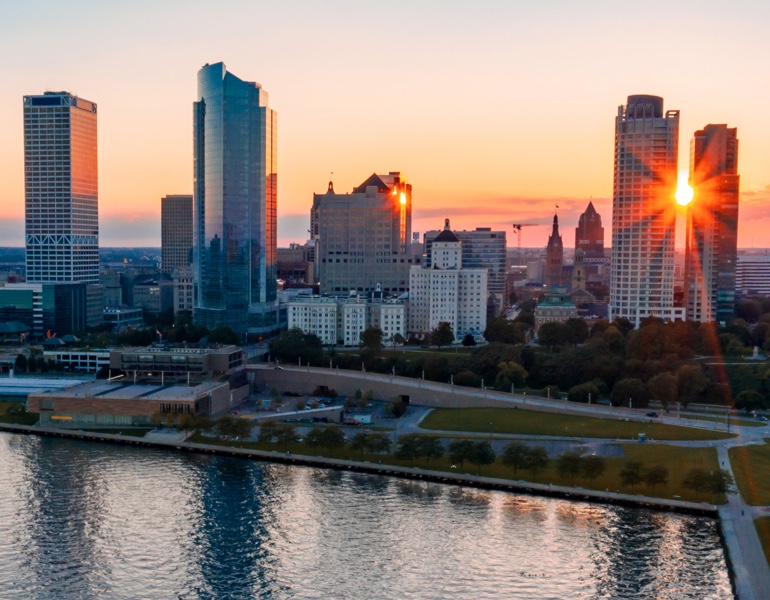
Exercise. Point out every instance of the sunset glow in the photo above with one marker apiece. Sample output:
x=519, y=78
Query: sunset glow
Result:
x=684, y=192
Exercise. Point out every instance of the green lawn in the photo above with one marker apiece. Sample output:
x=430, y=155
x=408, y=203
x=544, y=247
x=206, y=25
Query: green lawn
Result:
x=528, y=422
x=678, y=460
x=751, y=467
x=19, y=418
x=763, y=529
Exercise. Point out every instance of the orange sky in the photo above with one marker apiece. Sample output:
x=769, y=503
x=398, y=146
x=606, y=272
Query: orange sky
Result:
x=494, y=112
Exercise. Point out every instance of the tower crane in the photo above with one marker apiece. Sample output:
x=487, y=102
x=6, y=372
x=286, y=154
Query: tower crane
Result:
x=517, y=228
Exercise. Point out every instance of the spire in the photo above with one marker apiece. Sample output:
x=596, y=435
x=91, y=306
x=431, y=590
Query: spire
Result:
x=446, y=225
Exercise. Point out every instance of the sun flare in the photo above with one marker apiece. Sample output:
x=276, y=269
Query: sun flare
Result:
x=684, y=191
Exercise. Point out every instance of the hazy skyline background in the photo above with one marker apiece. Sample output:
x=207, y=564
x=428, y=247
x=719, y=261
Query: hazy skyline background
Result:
x=494, y=112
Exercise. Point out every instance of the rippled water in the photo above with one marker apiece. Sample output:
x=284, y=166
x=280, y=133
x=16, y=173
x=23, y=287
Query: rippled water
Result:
x=88, y=520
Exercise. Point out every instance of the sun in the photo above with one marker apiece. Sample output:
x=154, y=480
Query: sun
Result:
x=684, y=191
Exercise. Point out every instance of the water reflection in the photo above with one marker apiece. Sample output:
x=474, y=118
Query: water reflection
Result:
x=87, y=520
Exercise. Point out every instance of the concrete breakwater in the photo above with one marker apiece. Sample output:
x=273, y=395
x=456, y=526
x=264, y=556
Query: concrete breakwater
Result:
x=480, y=481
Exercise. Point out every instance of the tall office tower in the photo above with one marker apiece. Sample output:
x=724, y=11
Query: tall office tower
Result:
x=712, y=225
x=234, y=206
x=61, y=189
x=589, y=234
x=362, y=238
x=482, y=248
x=643, y=211
x=554, y=256
x=176, y=232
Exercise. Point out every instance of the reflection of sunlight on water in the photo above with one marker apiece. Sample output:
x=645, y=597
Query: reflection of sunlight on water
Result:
x=218, y=527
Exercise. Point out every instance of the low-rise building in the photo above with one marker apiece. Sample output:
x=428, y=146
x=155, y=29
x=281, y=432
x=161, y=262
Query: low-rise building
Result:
x=116, y=403
x=82, y=361
x=556, y=307
x=122, y=318
x=177, y=360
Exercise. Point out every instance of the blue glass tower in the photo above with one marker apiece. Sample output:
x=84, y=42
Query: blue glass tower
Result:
x=234, y=204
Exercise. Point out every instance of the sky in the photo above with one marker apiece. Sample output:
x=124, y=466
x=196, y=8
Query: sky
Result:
x=495, y=112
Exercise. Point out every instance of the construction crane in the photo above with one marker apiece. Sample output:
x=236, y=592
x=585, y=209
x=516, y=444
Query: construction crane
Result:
x=517, y=228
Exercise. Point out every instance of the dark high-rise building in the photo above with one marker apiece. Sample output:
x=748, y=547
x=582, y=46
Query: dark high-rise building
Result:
x=362, y=237
x=234, y=204
x=589, y=234
x=554, y=257
x=712, y=225
x=61, y=189
x=643, y=211
x=176, y=232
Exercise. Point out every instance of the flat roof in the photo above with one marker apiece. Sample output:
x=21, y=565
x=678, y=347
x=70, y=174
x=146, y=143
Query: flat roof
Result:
x=28, y=385
x=120, y=390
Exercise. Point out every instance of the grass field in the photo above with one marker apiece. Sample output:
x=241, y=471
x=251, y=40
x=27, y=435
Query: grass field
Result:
x=677, y=460
x=751, y=466
x=763, y=529
x=528, y=422
x=17, y=419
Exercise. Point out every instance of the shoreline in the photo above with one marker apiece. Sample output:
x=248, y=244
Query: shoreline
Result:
x=415, y=473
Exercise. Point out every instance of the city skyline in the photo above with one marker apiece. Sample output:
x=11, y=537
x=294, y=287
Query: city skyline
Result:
x=470, y=104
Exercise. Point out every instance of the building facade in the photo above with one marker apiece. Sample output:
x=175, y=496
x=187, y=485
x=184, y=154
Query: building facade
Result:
x=752, y=275
x=711, y=250
x=554, y=256
x=589, y=234
x=362, y=238
x=234, y=204
x=342, y=320
x=643, y=211
x=556, y=307
x=61, y=189
x=482, y=249
x=446, y=291
x=176, y=232
x=183, y=291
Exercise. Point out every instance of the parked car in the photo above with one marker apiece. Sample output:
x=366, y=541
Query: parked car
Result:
x=652, y=415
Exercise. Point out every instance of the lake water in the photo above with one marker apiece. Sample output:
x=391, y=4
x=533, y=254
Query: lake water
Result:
x=90, y=520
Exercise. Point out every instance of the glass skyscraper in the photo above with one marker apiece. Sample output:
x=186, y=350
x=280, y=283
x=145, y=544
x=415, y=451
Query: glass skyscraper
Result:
x=61, y=189
x=234, y=204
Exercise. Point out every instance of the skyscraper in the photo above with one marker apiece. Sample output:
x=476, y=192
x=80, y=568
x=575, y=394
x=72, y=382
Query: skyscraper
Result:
x=61, y=189
x=234, y=204
x=643, y=211
x=176, y=232
x=554, y=256
x=362, y=237
x=712, y=225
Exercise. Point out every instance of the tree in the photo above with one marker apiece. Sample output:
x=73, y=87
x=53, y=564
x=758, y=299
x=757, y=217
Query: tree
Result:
x=301, y=404
x=294, y=346
x=313, y=437
x=371, y=339
x=690, y=382
x=537, y=460
x=592, y=467
x=553, y=333
x=287, y=434
x=631, y=473
x=186, y=423
x=482, y=454
x=510, y=373
x=749, y=401
x=224, y=426
x=578, y=330
x=515, y=455
x=379, y=442
x=442, y=335
x=407, y=447
x=655, y=476
x=156, y=419
x=21, y=363
x=662, y=387
x=459, y=451
x=583, y=393
x=504, y=331
x=569, y=464
x=630, y=389
x=469, y=340
x=696, y=479
x=430, y=447
x=397, y=340
x=360, y=442
x=223, y=335
x=720, y=481
x=332, y=437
